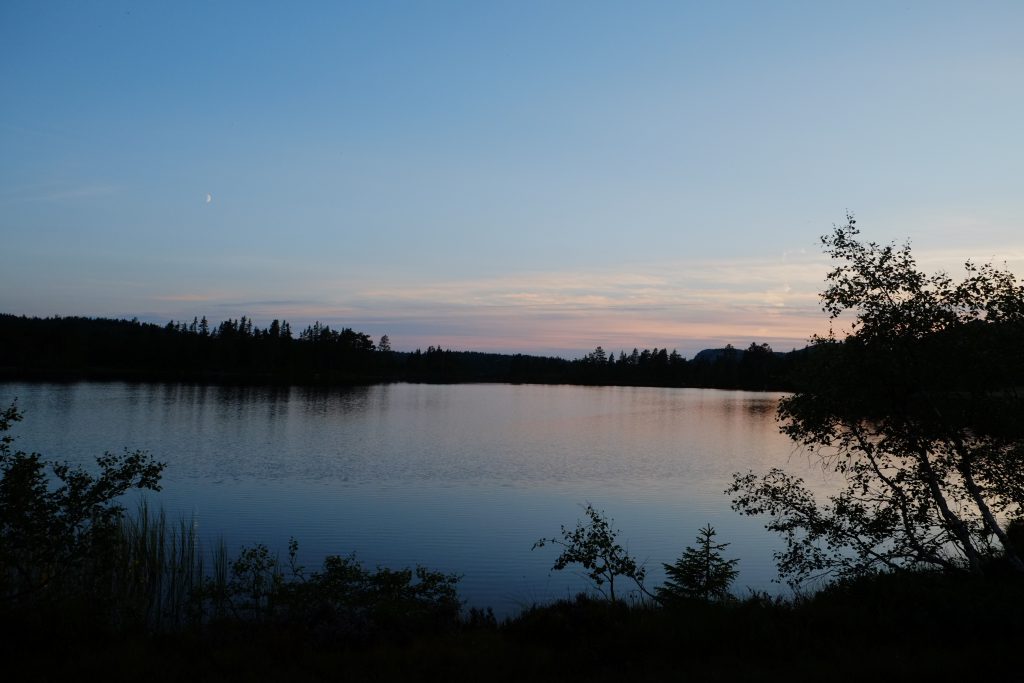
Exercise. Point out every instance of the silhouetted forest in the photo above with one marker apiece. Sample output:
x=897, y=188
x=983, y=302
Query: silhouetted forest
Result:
x=238, y=351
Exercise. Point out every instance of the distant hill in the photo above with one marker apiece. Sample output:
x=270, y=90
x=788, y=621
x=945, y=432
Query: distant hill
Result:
x=727, y=353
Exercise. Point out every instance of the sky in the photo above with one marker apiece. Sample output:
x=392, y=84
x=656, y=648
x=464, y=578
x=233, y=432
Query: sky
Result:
x=539, y=177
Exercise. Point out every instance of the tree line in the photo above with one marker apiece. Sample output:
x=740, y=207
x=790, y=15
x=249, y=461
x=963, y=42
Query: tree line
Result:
x=239, y=351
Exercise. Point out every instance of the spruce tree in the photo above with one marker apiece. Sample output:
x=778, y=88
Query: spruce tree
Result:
x=701, y=573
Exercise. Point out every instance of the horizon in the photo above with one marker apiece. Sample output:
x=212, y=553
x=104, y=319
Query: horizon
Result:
x=532, y=178
x=296, y=329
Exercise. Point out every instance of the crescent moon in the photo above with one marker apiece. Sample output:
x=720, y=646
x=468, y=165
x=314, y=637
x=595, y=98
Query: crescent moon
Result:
x=209, y=197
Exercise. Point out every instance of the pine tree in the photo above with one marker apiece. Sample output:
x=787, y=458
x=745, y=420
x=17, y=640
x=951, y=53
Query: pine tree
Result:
x=701, y=573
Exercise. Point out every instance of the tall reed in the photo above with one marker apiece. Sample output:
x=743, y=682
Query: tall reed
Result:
x=159, y=572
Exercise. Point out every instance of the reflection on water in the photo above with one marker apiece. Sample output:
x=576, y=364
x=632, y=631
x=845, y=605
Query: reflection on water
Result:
x=457, y=477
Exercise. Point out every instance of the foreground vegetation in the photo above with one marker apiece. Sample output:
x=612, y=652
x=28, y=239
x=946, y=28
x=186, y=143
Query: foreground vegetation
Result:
x=883, y=628
x=88, y=589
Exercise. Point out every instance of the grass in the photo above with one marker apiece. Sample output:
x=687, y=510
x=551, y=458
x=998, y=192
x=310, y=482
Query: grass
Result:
x=160, y=574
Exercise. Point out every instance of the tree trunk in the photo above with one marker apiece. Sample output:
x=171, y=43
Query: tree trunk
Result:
x=990, y=520
x=956, y=525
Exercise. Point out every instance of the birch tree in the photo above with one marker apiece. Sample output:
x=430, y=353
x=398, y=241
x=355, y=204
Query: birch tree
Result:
x=917, y=407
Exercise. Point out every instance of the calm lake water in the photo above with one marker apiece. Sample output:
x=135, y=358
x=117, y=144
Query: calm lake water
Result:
x=460, y=478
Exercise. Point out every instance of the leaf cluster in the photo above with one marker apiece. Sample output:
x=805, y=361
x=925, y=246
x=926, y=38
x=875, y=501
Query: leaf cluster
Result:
x=54, y=529
x=342, y=601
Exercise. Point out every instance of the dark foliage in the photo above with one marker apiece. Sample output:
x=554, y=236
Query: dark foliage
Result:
x=701, y=573
x=58, y=535
x=910, y=626
x=919, y=411
x=237, y=351
x=342, y=604
x=593, y=545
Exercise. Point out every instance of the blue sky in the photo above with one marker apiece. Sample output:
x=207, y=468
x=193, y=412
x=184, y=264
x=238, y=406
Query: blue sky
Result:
x=518, y=176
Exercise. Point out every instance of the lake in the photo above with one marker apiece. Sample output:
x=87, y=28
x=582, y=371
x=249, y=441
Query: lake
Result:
x=459, y=478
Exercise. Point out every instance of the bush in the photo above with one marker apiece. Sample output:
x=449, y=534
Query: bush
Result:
x=60, y=536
